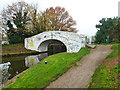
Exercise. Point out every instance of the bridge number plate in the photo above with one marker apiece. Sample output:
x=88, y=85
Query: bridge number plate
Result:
x=32, y=44
x=32, y=60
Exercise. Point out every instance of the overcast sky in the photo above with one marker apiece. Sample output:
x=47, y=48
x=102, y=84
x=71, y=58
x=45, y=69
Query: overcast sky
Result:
x=87, y=13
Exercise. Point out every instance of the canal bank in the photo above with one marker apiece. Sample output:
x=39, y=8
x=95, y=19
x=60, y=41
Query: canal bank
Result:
x=15, y=49
x=13, y=61
x=14, y=65
x=42, y=74
x=17, y=59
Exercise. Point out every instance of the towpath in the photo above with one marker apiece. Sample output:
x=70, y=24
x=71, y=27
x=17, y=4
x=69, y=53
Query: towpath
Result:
x=80, y=76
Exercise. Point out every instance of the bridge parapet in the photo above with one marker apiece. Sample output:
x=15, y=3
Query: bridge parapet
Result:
x=72, y=41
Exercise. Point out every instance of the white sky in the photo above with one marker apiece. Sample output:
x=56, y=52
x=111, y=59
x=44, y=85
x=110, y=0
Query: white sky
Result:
x=87, y=13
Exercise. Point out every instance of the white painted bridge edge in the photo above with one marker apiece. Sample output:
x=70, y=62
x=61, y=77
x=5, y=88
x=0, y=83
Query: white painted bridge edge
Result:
x=72, y=41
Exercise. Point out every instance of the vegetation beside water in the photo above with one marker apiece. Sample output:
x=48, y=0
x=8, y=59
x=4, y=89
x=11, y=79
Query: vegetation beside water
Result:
x=106, y=76
x=13, y=49
x=40, y=75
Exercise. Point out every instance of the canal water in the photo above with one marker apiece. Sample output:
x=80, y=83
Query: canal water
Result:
x=13, y=65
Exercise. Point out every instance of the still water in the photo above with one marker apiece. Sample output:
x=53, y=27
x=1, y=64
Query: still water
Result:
x=13, y=65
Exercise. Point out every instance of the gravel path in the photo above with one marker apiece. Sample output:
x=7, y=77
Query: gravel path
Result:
x=80, y=76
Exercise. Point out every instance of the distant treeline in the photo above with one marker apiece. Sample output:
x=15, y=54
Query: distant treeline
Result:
x=108, y=27
x=21, y=20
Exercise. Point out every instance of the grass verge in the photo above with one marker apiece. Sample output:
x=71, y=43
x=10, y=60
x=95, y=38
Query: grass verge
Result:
x=106, y=76
x=116, y=51
x=40, y=75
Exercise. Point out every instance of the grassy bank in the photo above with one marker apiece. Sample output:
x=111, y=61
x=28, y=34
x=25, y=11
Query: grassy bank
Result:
x=106, y=76
x=116, y=51
x=15, y=49
x=40, y=75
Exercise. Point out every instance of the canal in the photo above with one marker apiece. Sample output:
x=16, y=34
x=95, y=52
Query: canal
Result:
x=13, y=65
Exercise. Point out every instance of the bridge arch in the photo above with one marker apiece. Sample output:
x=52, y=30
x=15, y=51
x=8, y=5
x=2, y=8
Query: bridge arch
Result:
x=45, y=45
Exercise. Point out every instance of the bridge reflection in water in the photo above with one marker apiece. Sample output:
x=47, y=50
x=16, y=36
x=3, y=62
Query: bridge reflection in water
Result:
x=13, y=65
